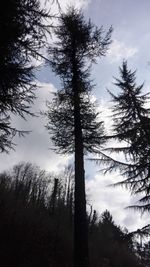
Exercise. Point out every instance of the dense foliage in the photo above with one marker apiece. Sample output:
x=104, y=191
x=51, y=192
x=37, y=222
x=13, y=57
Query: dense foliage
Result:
x=34, y=234
x=131, y=129
x=23, y=29
x=78, y=45
x=72, y=117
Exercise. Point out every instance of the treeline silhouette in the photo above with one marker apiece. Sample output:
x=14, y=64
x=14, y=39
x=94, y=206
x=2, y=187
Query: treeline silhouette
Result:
x=36, y=225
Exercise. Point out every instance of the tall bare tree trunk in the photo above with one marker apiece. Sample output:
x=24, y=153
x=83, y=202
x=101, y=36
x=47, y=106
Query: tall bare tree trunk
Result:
x=81, y=254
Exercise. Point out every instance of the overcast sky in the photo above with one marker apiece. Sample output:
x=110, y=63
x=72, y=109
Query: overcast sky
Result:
x=131, y=41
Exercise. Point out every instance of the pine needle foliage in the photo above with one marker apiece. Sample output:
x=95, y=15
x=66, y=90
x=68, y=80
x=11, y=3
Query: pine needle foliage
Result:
x=131, y=128
x=23, y=29
x=77, y=46
x=72, y=118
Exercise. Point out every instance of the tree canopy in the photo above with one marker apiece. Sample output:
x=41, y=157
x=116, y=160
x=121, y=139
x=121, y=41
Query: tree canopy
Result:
x=72, y=118
x=23, y=28
x=77, y=46
x=131, y=127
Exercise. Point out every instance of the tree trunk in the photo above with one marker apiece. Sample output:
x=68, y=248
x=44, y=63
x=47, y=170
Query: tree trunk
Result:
x=81, y=255
x=53, y=197
x=81, y=252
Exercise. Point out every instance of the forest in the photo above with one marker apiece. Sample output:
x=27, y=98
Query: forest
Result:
x=36, y=226
x=46, y=219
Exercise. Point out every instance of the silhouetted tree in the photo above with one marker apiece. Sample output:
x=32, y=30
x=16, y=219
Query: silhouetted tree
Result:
x=54, y=195
x=131, y=128
x=23, y=28
x=32, y=236
x=110, y=245
x=109, y=229
x=72, y=117
x=145, y=255
x=141, y=246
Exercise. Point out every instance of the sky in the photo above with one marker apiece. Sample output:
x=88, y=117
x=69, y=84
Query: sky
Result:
x=131, y=41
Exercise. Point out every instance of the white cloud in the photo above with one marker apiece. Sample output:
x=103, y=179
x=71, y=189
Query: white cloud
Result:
x=119, y=50
x=34, y=147
x=54, y=5
x=114, y=199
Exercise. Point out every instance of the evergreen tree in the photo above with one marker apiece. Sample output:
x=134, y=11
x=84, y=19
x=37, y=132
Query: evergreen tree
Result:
x=131, y=122
x=72, y=119
x=110, y=245
x=23, y=29
x=132, y=129
x=145, y=255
